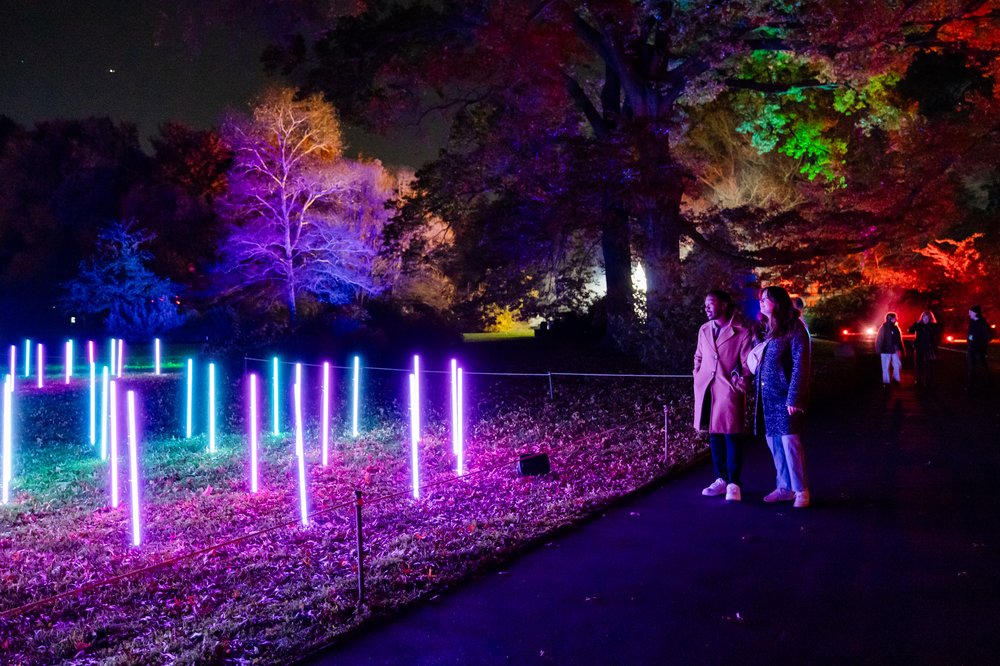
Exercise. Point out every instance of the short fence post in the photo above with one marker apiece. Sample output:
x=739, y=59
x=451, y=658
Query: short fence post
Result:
x=550, y=386
x=361, y=549
x=666, y=434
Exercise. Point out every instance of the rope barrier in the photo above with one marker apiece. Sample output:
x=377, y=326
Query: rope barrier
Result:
x=487, y=374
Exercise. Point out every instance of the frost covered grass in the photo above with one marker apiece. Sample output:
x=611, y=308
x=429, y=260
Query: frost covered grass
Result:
x=275, y=594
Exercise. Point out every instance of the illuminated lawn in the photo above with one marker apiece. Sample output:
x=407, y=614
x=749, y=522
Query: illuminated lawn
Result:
x=272, y=596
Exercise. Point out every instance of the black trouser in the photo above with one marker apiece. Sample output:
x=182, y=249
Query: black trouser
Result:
x=727, y=456
x=977, y=359
x=923, y=367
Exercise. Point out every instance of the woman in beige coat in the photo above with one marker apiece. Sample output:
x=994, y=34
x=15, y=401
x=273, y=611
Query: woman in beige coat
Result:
x=720, y=375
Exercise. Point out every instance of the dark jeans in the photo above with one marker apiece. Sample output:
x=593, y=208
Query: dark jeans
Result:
x=977, y=360
x=727, y=456
x=923, y=367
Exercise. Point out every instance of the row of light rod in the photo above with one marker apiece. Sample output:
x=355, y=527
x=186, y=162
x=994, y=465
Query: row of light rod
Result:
x=117, y=348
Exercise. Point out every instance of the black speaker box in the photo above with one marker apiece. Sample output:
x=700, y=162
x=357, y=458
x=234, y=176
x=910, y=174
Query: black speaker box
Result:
x=533, y=464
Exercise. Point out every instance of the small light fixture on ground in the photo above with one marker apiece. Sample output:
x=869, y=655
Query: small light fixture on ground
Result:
x=190, y=398
x=133, y=468
x=414, y=438
x=253, y=433
x=211, y=408
x=300, y=454
x=354, y=396
x=325, y=414
x=113, y=415
x=114, y=355
x=27, y=358
x=156, y=356
x=121, y=356
x=13, y=361
x=90, y=352
x=41, y=364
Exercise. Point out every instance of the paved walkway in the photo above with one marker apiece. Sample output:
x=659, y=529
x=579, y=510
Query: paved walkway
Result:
x=896, y=561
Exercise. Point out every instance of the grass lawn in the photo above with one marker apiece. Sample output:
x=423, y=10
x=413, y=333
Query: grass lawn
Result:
x=279, y=588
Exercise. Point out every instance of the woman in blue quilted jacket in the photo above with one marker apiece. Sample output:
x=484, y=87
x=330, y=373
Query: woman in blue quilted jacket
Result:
x=782, y=393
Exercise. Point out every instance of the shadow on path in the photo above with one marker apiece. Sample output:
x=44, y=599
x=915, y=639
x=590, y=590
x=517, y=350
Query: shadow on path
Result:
x=895, y=561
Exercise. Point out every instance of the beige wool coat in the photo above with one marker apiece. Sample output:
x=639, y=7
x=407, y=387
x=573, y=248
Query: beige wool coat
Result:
x=714, y=363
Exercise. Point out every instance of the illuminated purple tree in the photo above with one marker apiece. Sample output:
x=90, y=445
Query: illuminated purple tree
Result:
x=305, y=221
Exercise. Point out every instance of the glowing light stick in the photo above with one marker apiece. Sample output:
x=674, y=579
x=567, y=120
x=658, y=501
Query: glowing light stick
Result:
x=90, y=351
x=300, y=453
x=416, y=393
x=27, y=358
x=211, y=408
x=460, y=427
x=454, y=406
x=104, y=412
x=114, y=355
x=93, y=404
x=253, y=433
x=133, y=469
x=354, y=400
x=41, y=365
x=114, y=444
x=274, y=392
x=8, y=444
x=121, y=355
x=414, y=436
x=190, y=397
x=325, y=427
x=156, y=356
x=68, y=360
x=13, y=361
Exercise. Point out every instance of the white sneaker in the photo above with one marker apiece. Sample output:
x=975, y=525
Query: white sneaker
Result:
x=717, y=488
x=779, y=495
x=801, y=499
x=733, y=493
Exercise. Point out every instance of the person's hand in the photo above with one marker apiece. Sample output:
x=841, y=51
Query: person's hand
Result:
x=793, y=410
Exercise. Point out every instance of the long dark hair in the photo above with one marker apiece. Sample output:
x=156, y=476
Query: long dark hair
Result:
x=782, y=319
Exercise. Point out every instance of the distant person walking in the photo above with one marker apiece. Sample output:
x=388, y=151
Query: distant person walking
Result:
x=720, y=371
x=980, y=334
x=927, y=337
x=889, y=346
x=782, y=378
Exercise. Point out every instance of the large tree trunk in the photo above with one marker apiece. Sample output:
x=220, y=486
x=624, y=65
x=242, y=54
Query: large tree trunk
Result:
x=617, y=252
x=293, y=314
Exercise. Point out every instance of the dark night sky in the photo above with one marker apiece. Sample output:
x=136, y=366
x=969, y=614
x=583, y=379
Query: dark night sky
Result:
x=129, y=61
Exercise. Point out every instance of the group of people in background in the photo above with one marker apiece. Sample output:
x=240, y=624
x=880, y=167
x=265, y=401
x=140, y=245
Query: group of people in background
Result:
x=774, y=354
x=926, y=341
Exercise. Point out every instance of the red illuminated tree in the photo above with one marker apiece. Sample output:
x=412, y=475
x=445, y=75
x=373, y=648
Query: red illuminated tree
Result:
x=533, y=90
